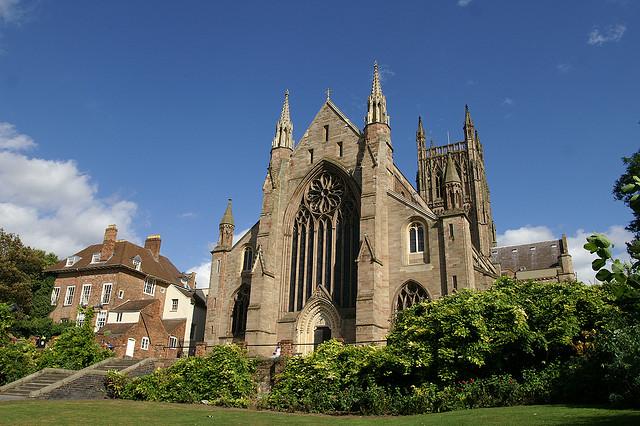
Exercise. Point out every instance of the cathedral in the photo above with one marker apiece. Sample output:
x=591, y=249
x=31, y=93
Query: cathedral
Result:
x=344, y=240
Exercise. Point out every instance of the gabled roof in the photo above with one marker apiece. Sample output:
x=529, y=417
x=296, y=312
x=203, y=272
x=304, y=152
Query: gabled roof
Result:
x=115, y=329
x=134, y=305
x=171, y=325
x=528, y=257
x=123, y=254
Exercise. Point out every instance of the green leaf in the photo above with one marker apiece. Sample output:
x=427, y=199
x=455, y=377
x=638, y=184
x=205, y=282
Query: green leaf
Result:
x=604, y=253
x=590, y=247
x=603, y=275
x=617, y=267
x=601, y=241
x=628, y=188
x=597, y=264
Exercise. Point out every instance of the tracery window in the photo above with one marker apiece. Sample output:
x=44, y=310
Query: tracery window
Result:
x=324, y=243
x=416, y=238
x=410, y=294
x=247, y=261
x=240, y=308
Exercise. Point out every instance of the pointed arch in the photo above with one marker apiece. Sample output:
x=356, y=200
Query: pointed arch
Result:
x=410, y=293
x=323, y=219
x=318, y=312
x=239, y=311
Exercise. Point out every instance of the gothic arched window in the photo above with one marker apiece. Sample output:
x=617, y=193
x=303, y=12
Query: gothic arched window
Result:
x=438, y=184
x=416, y=238
x=240, y=308
x=410, y=294
x=324, y=243
x=247, y=260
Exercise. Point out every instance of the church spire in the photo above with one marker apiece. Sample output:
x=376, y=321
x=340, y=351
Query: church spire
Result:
x=377, y=103
x=420, y=138
x=284, y=128
x=468, y=127
x=451, y=175
x=226, y=227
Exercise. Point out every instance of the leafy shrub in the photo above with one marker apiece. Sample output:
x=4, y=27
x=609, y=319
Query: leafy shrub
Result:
x=75, y=348
x=507, y=329
x=342, y=379
x=223, y=377
x=17, y=360
x=115, y=382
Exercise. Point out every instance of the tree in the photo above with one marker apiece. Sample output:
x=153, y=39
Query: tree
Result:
x=622, y=279
x=22, y=276
x=633, y=169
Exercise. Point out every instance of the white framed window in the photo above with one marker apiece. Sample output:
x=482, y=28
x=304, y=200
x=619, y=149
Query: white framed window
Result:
x=120, y=294
x=71, y=260
x=144, y=343
x=68, y=298
x=174, y=305
x=86, y=292
x=137, y=263
x=247, y=261
x=106, y=293
x=416, y=238
x=101, y=320
x=173, y=342
x=149, y=286
x=95, y=258
x=80, y=319
x=119, y=317
x=55, y=295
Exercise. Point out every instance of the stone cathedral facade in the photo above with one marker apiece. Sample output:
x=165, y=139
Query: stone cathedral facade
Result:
x=345, y=240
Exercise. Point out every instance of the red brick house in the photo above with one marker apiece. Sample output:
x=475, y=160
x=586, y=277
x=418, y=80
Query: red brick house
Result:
x=127, y=285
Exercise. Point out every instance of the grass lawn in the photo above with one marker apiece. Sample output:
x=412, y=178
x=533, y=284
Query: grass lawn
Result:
x=131, y=412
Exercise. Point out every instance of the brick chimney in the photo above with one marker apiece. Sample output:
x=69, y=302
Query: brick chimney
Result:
x=153, y=244
x=109, y=243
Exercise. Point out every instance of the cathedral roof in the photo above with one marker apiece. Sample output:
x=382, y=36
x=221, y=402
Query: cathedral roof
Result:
x=452, y=173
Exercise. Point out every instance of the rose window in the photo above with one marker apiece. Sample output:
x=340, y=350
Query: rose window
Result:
x=324, y=194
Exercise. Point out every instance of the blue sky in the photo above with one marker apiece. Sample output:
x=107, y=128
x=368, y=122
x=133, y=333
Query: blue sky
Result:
x=150, y=115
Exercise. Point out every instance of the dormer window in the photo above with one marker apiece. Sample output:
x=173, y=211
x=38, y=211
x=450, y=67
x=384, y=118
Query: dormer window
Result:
x=137, y=263
x=72, y=260
x=95, y=258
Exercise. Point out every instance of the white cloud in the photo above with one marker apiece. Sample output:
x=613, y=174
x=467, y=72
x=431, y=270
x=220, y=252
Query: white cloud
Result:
x=564, y=68
x=508, y=102
x=11, y=140
x=54, y=206
x=203, y=274
x=464, y=3
x=524, y=235
x=612, y=34
x=9, y=10
x=581, y=258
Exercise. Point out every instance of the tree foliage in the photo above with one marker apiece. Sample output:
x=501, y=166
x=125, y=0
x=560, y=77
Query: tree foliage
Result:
x=22, y=277
x=509, y=328
x=622, y=190
x=76, y=347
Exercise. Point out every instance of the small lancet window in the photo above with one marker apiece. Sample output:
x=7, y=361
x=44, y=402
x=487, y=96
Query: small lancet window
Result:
x=416, y=238
x=247, y=261
x=326, y=133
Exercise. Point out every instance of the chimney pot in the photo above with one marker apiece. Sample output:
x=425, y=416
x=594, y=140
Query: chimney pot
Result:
x=109, y=242
x=153, y=243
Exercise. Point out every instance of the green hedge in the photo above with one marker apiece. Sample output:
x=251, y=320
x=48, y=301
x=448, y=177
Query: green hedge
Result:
x=223, y=377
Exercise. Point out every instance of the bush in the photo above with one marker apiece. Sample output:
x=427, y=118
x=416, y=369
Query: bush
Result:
x=223, y=377
x=340, y=379
x=17, y=360
x=75, y=348
x=507, y=329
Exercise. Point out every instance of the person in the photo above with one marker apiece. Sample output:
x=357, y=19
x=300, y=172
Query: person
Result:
x=276, y=352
